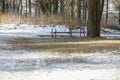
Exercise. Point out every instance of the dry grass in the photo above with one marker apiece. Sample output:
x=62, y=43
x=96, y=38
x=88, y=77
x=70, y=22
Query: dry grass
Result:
x=68, y=45
x=41, y=20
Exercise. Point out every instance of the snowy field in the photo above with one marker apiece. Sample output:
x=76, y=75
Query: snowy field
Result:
x=18, y=63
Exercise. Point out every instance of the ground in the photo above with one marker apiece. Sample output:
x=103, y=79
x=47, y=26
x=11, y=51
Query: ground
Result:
x=19, y=62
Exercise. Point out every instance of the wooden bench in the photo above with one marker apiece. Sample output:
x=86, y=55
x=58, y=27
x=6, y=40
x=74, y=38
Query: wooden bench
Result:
x=54, y=32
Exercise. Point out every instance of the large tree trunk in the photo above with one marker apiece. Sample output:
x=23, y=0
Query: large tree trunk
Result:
x=95, y=9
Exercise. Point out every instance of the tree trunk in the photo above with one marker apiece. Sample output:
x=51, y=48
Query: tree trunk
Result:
x=106, y=11
x=85, y=11
x=119, y=15
x=55, y=6
x=3, y=6
x=62, y=10
x=21, y=7
x=95, y=9
x=26, y=7
x=36, y=8
x=30, y=7
x=62, y=7
x=7, y=6
x=72, y=9
x=79, y=10
x=50, y=6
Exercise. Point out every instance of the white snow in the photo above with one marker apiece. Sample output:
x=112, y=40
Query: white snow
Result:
x=63, y=75
x=22, y=65
x=31, y=29
x=34, y=30
x=17, y=63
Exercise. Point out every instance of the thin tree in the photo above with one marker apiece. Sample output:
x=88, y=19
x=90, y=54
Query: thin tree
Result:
x=106, y=11
x=55, y=6
x=30, y=7
x=79, y=10
x=26, y=7
x=117, y=3
x=62, y=7
x=119, y=14
x=3, y=6
x=21, y=8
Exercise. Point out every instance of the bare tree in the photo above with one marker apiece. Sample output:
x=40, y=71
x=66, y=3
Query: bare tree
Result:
x=118, y=6
x=106, y=11
x=79, y=10
x=30, y=7
x=3, y=5
x=62, y=7
x=55, y=6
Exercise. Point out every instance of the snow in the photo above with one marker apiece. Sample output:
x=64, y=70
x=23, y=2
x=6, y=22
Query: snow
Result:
x=22, y=65
x=63, y=75
x=31, y=30
x=110, y=33
x=18, y=63
x=35, y=31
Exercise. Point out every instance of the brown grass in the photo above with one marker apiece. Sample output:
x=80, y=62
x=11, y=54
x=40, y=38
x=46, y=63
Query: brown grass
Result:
x=42, y=20
x=68, y=45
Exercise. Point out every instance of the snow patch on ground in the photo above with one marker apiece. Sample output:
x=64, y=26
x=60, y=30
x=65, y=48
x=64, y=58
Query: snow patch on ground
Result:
x=63, y=75
x=22, y=65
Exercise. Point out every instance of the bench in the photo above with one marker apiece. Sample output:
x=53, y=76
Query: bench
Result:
x=54, y=32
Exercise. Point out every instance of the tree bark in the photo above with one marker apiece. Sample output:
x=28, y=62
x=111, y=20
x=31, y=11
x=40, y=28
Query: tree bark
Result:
x=21, y=8
x=30, y=7
x=106, y=11
x=55, y=6
x=3, y=6
x=62, y=7
x=36, y=8
x=79, y=10
x=119, y=15
x=95, y=9
x=26, y=7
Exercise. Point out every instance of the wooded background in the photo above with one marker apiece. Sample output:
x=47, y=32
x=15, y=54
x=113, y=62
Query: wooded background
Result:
x=74, y=13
